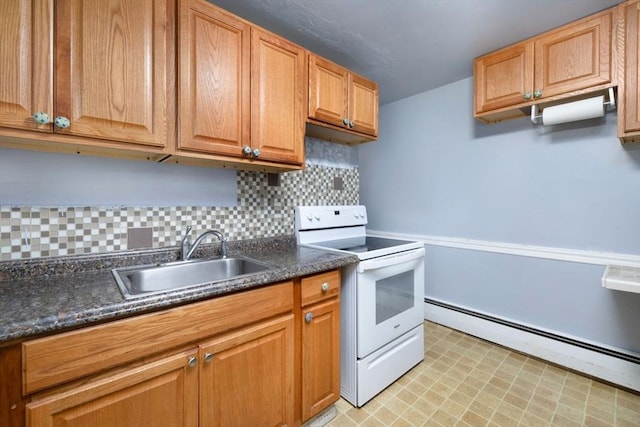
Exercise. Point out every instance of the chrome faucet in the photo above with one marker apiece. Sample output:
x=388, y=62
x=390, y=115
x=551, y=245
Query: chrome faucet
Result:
x=188, y=249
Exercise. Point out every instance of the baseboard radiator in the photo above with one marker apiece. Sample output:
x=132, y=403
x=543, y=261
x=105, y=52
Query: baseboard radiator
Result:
x=607, y=364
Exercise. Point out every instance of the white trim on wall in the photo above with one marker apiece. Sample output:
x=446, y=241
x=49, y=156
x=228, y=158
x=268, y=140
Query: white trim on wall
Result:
x=559, y=254
x=609, y=368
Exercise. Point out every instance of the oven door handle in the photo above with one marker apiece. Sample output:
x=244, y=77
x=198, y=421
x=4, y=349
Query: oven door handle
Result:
x=395, y=259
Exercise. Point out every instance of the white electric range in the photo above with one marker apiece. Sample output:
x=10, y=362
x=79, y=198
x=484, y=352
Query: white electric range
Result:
x=382, y=298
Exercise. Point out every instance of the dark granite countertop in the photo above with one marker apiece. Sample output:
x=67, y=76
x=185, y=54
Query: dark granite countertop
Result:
x=42, y=296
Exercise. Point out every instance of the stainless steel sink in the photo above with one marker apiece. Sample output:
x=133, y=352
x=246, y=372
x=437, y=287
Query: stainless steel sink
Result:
x=148, y=279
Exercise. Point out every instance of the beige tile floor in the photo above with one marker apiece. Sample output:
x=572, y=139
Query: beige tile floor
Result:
x=465, y=381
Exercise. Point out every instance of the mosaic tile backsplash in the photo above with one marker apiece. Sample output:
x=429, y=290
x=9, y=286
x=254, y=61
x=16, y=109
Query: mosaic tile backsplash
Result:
x=262, y=210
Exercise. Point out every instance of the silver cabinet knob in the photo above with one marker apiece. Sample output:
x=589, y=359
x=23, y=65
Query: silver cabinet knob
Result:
x=246, y=150
x=208, y=357
x=537, y=93
x=62, y=122
x=193, y=361
x=308, y=317
x=345, y=121
x=350, y=124
x=325, y=287
x=256, y=153
x=527, y=95
x=42, y=118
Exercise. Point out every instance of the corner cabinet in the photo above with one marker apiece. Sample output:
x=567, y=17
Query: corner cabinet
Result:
x=101, y=80
x=565, y=62
x=241, y=91
x=629, y=102
x=343, y=101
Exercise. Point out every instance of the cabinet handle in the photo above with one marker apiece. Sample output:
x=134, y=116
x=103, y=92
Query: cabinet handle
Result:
x=208, y=357
x=527, y=95
x=345, y=121
x=246, y=150
x=62, y=122
x=42, y=118
x=193, y=361
x=325, y=287
x=308, y=317
x=350, y=124
x=537, y=93
x=256, y=153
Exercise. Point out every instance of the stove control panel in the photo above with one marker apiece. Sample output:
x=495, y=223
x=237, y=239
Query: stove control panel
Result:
x=318, y=217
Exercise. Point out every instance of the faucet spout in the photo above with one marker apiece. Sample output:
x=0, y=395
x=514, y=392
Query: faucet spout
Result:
x=186, y=254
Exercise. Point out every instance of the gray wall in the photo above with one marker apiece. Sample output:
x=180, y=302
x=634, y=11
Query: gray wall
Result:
x=570, y=186
x=30, y=178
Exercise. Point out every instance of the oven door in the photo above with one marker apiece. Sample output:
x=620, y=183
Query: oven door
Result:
x=390, y=298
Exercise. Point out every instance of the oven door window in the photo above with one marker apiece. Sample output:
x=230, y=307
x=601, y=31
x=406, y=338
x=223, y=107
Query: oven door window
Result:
x=394, y=295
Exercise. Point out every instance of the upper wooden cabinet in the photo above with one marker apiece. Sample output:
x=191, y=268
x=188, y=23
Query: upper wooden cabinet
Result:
x=214, y=97
x=27, y=67
x=241, y=90
x=342, y=99
x=278, y=85
x=565, y=62
x=105, y=79
x=503, y=78
x=102, y=75
x=629, y=101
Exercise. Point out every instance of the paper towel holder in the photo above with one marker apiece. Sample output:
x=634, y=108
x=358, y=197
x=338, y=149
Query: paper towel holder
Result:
x=609, y=105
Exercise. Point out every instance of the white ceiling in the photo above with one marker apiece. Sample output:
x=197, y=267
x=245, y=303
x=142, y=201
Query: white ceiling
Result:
x=409, y=46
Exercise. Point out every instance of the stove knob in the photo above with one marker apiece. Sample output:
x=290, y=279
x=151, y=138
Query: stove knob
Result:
x=309, y=216
x=317, y=217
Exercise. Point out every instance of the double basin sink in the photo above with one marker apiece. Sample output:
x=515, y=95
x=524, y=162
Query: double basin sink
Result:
x=143, y=280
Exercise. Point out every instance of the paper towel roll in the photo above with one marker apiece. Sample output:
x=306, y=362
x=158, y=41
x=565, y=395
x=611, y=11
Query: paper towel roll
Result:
x=573, y=111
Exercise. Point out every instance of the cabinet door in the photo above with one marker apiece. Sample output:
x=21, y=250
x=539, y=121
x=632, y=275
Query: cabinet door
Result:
x=246, y=377
x=320, y=357
x=278, y=85
x=111, y=63
x=503, y=78
x=328, y=91
x=631, y=94
x=574, y=57
x=363, y=106
x=160, y=393
x=214, y=92
x=26, y=55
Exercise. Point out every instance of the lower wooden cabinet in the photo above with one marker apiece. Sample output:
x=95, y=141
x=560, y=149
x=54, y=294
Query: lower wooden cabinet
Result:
x=238, y=379
x=320, y=341
x=247, y=377
x=320, y=357
x=263, y=357
x=163, y=392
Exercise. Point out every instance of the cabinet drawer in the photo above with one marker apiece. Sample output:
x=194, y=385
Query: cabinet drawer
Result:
x=67, y=356
x=319, y=287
